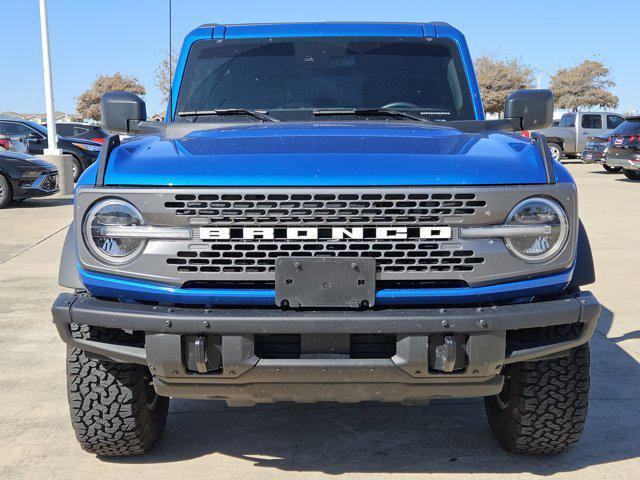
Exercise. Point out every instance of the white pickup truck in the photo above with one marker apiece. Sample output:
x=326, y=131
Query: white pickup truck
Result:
x=569, y=138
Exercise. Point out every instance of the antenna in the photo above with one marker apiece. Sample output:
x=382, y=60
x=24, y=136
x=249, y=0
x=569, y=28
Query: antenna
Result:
x=170, y=69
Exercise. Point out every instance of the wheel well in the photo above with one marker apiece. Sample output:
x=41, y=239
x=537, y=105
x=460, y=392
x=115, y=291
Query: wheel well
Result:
x=10, y=188
x=556, y=140
x=75, y=157
x=6, y=177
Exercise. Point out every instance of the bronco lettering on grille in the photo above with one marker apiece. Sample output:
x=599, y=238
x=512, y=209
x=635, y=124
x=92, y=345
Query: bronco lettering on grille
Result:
x=315, y=233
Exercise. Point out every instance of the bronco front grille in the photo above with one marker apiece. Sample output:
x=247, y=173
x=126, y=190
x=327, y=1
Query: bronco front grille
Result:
x=259, y=256
x=325, y=208
x=236, y=263
x=318, y=209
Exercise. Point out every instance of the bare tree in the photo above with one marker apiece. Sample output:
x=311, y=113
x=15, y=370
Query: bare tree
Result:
x=584, y=86
x=164, y=74
x=499, y=78
x=88, y=104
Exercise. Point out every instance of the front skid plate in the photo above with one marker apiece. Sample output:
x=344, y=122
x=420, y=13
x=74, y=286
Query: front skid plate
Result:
x=251, y=394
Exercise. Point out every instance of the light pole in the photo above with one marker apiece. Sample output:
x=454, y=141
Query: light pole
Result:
x=53, y=154
x=48, y=84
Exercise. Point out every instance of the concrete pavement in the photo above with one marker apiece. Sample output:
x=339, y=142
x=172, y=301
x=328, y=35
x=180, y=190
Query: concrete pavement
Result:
x=447, y=439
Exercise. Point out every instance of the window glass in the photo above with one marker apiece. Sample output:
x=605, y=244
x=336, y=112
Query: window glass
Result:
x=64, y=130
x=38, y=128
x=77, y=131
x=568, y=120
x=613, y=121
x=17, y=129
x=592, y=121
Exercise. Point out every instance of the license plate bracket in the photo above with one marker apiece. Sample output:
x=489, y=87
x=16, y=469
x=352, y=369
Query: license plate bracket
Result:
x=319, y=282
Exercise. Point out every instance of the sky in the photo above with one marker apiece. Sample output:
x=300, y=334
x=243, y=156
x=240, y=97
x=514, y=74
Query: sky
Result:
x=92, y=37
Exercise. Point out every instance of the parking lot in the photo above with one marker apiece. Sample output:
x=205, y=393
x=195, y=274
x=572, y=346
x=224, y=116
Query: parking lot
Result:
x=447, y=439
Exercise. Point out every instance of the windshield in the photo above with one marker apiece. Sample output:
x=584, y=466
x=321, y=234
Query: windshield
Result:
x=420, y=75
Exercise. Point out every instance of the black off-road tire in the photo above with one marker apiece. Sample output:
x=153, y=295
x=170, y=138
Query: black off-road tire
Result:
x=6, y=192
x=77, y=169
x=611, y=169
x=114, y=409
x=543, y=405
x=631, y=174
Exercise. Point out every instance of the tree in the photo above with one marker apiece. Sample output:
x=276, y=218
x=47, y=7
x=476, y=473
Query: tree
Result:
x=88, y=104
x=583, y=86
x=164, y=74
x=499, y=78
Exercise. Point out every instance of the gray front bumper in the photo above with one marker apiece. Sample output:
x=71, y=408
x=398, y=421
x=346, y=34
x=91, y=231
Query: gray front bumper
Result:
x=247, y=379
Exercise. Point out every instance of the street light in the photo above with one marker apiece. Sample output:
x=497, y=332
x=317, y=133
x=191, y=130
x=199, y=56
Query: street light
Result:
x=48, y=84
x=53, y=154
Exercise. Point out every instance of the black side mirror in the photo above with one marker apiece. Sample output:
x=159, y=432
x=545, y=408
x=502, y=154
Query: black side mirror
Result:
x=530, y=109
x=122, y=111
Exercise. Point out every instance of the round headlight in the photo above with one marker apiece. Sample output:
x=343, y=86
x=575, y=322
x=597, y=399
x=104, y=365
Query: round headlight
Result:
x=101, y=240
x=543, y=246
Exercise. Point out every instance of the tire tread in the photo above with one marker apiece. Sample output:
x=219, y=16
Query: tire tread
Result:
x=107, y=401
x=547, y=407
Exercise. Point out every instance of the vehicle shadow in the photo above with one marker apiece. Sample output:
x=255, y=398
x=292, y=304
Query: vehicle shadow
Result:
x=626, y=180
x=42, y=202
x=448, y=436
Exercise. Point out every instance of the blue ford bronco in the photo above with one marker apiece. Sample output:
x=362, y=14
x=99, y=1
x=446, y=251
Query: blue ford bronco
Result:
x=326, y=215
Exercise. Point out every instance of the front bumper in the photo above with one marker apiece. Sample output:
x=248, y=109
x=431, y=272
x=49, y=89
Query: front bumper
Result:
x=46, y=183
x=406, y=376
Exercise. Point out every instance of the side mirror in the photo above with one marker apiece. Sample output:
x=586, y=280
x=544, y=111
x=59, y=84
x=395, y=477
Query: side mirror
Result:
x=122, y=111
x=530, y=109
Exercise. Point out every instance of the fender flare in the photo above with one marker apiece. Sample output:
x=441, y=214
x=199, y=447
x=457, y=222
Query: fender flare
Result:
x=68, y=273
x=584, y=272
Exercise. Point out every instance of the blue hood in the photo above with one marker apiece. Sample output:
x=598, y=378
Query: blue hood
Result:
x=327, y=154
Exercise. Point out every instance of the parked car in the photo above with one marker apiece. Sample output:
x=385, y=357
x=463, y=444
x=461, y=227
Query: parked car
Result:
x=13, y=144
x=595, y=152
x=569, y=138
x=301, y=229
x=82, y=130
x=24, y=176
x=623, y=150
x=84, y=152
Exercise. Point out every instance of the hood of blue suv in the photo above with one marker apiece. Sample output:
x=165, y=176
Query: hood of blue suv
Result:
x=323, y=154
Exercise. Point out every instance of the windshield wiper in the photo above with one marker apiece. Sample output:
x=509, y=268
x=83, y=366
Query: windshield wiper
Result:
x=261, y=114
x=368, y=112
